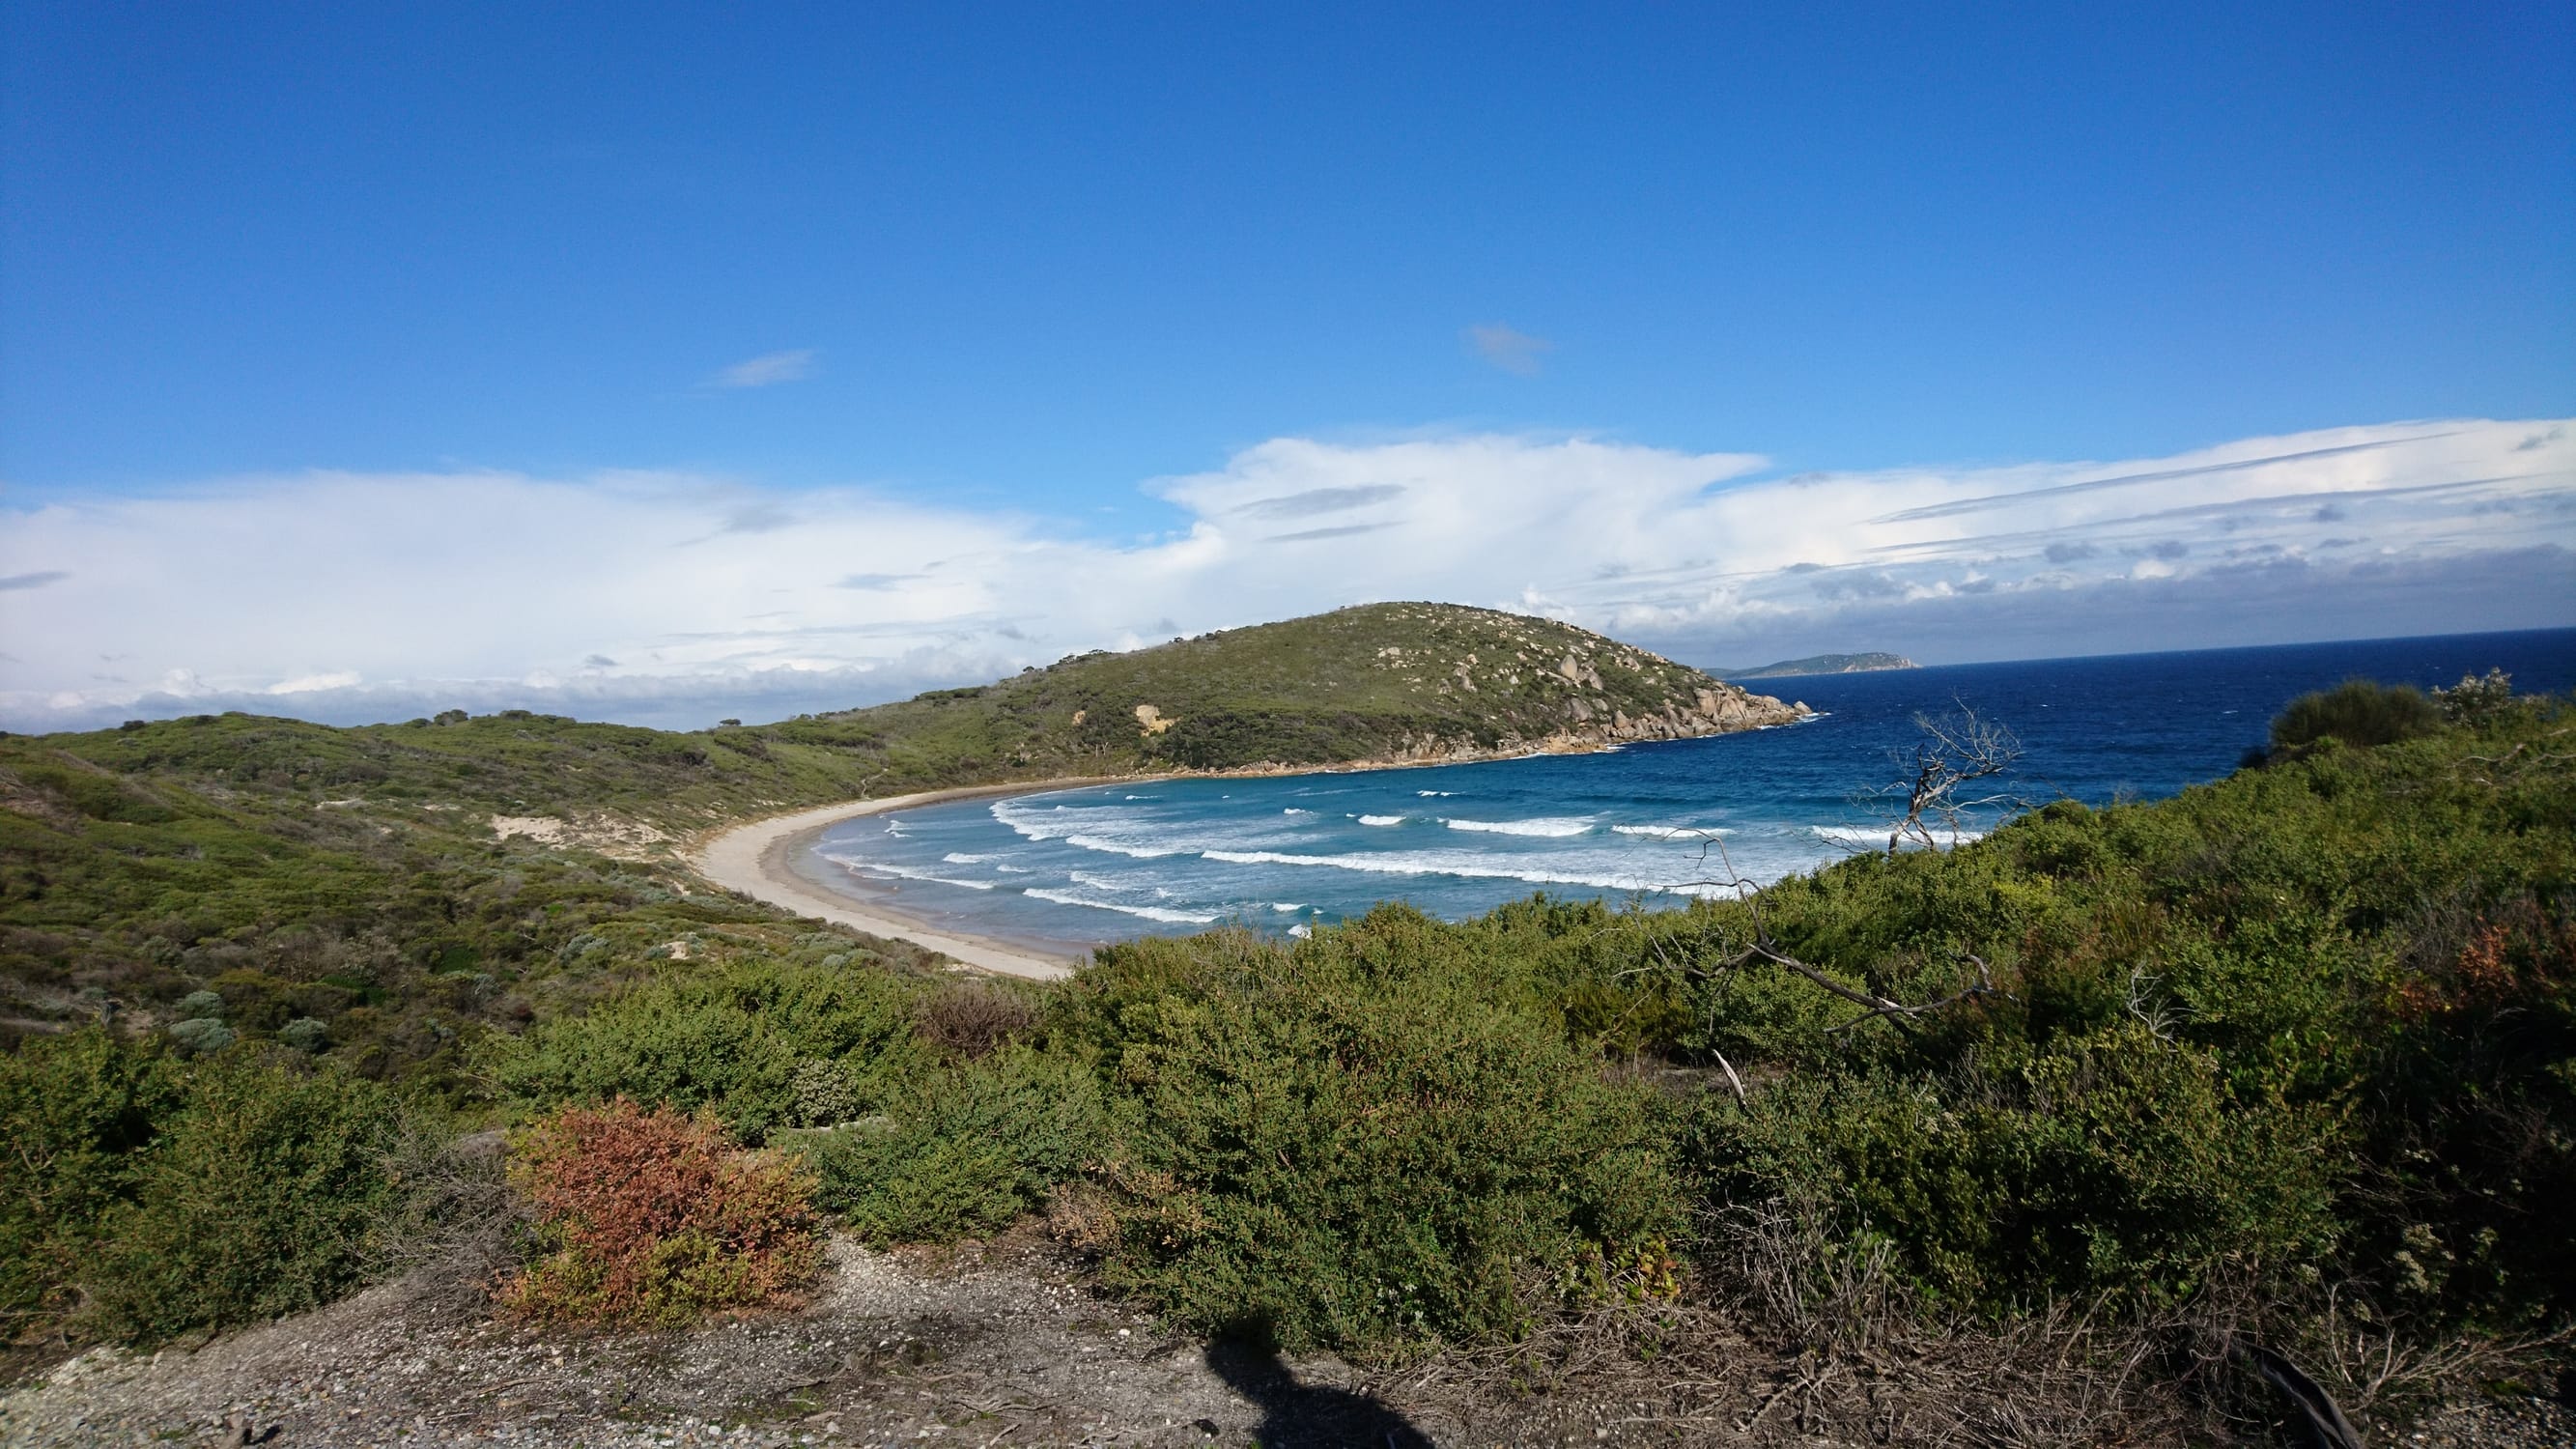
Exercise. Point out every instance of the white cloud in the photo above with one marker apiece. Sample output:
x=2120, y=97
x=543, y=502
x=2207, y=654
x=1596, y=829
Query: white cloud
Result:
x=768, y=370
x=674, y=599
x=1508, y=348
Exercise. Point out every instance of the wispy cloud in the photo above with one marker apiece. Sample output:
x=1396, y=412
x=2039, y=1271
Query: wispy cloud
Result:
x=36, y=580
x=1510, y=349
x=374, y=596
x=769, y=369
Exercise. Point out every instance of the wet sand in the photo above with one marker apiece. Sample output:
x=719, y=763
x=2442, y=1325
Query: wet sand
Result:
x=759, y=860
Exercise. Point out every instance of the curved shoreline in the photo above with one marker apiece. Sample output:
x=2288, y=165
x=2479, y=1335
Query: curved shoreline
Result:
x=757, y=860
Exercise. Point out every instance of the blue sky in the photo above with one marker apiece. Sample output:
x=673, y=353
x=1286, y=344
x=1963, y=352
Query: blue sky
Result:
x=1047, y=265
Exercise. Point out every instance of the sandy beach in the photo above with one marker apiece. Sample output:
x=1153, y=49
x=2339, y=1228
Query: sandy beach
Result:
x=758, y=860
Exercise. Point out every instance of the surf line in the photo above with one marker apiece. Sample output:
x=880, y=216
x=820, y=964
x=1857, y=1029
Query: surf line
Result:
x=757, y=859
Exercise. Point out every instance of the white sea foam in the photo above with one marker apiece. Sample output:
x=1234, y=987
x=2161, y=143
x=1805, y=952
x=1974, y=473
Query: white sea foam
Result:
x=1553, y=827
x=1151, y=913
x=903, y=872
x=1473, y=867
x=1301, y=931
x=1293, y=810
x=1108, y=846
x=1013, y=869
x=1287, y=905
x=1435, y=794
x=1098, y=882
x=1084, y=828
x=959, y=857
x=1381, y=820
x=1673, y=832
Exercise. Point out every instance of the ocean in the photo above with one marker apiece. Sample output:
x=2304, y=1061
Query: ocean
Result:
x=1654, y=823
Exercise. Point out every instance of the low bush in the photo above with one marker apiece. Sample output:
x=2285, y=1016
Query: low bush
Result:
x=255, y=1199
x=2115, y=1164
x=966, y=1154
x=731, y=1042
x=1352, y=1143
x=966, y=1019
x=2357, y=712
x=75, y=1110
x=656, y=1219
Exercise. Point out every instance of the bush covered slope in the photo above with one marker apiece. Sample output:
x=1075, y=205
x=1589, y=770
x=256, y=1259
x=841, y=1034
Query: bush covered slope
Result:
x=1377, y=682
x=2297, y=1038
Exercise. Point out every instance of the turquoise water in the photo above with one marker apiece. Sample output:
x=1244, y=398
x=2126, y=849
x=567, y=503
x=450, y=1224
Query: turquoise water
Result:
x=1658, y=822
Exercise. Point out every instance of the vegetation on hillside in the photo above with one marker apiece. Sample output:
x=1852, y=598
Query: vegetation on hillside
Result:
x=388, y=892
x=1381, y=682
x=2291, y=1047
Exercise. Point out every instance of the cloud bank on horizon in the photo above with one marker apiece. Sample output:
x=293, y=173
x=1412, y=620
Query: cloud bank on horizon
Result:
x=671, y=599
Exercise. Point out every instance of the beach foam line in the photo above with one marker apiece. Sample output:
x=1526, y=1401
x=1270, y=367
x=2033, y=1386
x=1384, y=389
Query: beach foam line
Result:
x=1099, y=882
x=959, y=857
x=1673, y=832
x=1551, y=827
x=902, y=872
x=1151, y=913
x=1381, y=820
x=1470, y=868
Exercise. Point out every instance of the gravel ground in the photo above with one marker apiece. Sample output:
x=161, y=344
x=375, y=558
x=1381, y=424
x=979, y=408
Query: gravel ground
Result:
x=1002, y=1349
x=991, y=1347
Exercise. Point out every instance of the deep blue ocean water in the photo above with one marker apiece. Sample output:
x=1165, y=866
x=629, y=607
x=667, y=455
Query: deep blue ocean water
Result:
x=1109, y=862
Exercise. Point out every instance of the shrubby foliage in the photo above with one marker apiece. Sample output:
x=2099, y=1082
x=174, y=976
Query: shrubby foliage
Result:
x=760, y=1045
x=1352, y=1143
x=655, y=1219
x=157, y=1198
x=965, y=1153
x=2357, y=712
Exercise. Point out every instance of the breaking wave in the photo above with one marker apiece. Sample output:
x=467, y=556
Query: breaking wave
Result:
x=1552, y=827
x=1151, y=913
x=1415, y=863
x=903, y=872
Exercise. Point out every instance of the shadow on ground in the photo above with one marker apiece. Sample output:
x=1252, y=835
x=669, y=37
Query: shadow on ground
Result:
x=1296, y=1416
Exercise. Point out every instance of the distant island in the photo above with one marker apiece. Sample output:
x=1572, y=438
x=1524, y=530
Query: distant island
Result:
x=1822, y=664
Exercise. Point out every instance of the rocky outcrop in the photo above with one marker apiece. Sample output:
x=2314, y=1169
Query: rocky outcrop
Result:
x=1592, y=723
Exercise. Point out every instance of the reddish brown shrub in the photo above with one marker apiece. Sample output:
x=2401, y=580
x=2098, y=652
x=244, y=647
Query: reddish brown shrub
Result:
x=653, y=1218
x=969, y=1019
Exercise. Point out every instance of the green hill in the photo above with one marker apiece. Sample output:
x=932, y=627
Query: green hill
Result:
x=1821, y=664
x=1380, y=682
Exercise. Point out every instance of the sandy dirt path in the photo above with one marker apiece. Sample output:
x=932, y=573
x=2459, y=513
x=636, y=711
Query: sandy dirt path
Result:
x=758, y=860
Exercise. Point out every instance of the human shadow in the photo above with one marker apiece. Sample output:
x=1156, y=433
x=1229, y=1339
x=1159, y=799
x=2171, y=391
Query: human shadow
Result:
x=1300, y=1416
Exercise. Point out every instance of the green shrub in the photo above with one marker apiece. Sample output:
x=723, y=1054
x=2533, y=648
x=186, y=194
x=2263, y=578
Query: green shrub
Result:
x=655, y=1219
x=2357, y=712
x=1353, y=1145
x=201, y=1035
x=75, y=1111
x=255, y=1200
x=966, y=1153
x=732, y=1042
x=2114, y=1163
